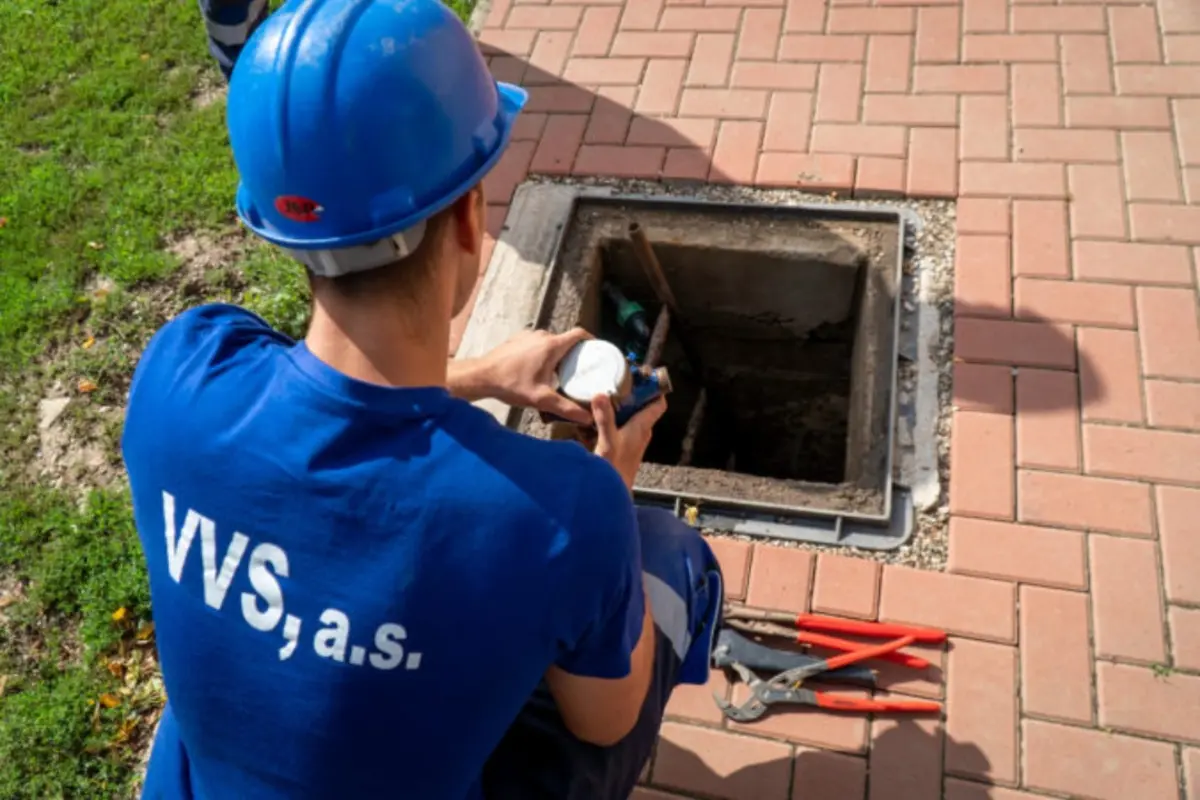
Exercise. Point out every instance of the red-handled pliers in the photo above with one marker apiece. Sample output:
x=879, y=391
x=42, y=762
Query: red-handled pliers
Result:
x=770, y=623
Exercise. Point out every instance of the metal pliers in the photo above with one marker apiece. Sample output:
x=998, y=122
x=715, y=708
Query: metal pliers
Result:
x=785, y=687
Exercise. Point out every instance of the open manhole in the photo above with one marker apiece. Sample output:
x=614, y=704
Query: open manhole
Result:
x=792, y=317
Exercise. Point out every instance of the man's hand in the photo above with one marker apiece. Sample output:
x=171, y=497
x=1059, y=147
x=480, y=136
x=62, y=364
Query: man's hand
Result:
x=625, y=447
x=520, y=372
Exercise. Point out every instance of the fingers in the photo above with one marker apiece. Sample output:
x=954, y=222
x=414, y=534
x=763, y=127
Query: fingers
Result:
x=555, y=403
x=561, y=343
x=606, y=423
x=643, y=421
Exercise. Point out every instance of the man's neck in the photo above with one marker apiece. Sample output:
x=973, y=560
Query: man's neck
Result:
x=376, y=343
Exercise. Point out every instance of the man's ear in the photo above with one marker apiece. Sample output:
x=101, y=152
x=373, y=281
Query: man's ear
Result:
x=469, y=224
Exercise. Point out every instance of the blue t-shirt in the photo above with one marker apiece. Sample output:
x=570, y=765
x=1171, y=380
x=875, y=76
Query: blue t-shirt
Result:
x=356, y=587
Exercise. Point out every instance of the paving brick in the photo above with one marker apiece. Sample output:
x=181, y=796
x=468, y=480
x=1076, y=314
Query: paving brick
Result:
x=1170, y=336
x=1150, y=169
x=1187, y=131
x=1065, y=145
x=561, y=18
x=981, y=708
x=1182, y=49
x=1056, y=664
x=1036, y=95
x=842, y=732
x=512, y=168
x=1163, y=223
x=846, y=586
x=1033, y=344
x=1154, y=455
x=1004, y=47
x=879, y=177
x=985, y=16
x=1040, y=238
x=641, y=16
x=712, y=60
x=562, y=99
x=957, y=789
x=548, y=58
x=821, y=171
x=871, y=20
x=611, y=114
x=982, y=215
x=906, y=758
x=696, y=702
x=661, y=86
x=628, y=162
x=1097, y=203
x=1138, y=700
x=1087, y=111
x=994, y=179
x=932, y=162
x=820, y=774
x=1173, y=405
x=960, y=79
x=497, y=13
x=595, y=34
x=1191, y=182
x=655, y=45
x=759, y=36
x=982, y=276
x=911, y=109
x=982, y=387
x=984, y=127
x=1127, y=612
x=734, y=557
x=1075, y=501
x=695, y=19
x=967, y=606
x=529, y=126
x=1097, y=764
x=889, y=63
x=601, y=71
x=736, y=155
x=1087, y=68
x=680, y=132
x=981, y=454
x=556, y=151
x=1178, y=16
x=937, y=35
x=686, y=163
x=839, y=90
x=1047, y=419
x=768, y=75
x=721, y=764
x=1191, y=772
x=899, y=679
x=858, y=139
x=644, y=793
x=788, y=122
x=804, y=16
x=506, y=43
x=1178, y=510
x=1135, y=34
x=1074, y=301
x=511, y=69
x=1022, y=553
x=1128, y=262
x=1058, y=19
x=724, y=103
x=780, y=577
x=823, y=49
x=1109, y=375
x=1185, y=638
x=1158, y=80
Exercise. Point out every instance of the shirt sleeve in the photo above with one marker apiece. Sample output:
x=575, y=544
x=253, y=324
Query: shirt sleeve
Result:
x=610, y=599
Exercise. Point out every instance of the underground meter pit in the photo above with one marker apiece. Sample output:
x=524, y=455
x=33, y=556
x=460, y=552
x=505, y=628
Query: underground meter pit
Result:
x=791, y=316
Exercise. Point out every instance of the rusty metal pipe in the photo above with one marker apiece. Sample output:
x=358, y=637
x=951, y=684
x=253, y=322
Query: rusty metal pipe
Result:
x=650, y=265
x=658, y=339
x=693, y=428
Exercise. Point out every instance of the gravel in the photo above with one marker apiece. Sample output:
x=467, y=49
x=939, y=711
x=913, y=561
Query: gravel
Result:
x=928, y=283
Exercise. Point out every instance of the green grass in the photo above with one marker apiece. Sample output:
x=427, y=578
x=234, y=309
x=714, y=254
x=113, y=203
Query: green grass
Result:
x=104, y=158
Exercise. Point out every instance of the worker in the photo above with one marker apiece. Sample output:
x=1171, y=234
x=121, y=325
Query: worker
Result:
x=364, y=586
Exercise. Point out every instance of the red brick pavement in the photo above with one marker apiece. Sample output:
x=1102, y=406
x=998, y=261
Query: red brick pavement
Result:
x=1070, y=134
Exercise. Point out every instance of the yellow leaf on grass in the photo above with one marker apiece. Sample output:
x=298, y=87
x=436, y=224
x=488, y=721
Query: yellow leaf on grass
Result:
x=88, y=342
x=145, y=631
x=122, y=612
x=109, y=700
x=691, y=515
x=86, y=385
x=144, y=56
x=116, y=668
x=96, y=245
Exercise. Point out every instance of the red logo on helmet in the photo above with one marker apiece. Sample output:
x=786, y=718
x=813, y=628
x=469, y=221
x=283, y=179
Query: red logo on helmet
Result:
x=298, y=209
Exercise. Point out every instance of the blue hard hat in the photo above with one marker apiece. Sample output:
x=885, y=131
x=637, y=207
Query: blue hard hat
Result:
x=354, y=120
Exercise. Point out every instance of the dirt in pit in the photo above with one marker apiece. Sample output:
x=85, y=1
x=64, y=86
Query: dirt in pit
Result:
x=781, y=404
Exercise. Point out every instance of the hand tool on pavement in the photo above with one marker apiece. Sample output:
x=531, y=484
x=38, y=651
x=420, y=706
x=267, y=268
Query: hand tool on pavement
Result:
x=734, y=648
x=772, y=623
x=785, y=688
